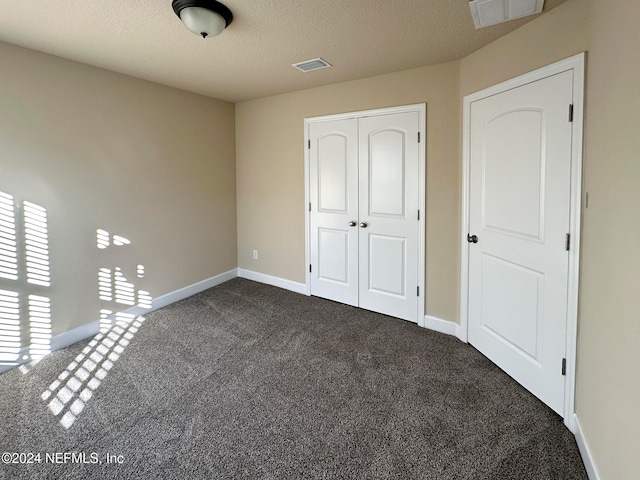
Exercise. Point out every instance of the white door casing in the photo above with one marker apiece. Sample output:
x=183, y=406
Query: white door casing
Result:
x=367, y=169
x=522, y=172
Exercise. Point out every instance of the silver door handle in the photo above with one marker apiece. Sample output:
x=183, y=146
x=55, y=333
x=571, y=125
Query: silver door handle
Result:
x=352, y=223
x=363, y=224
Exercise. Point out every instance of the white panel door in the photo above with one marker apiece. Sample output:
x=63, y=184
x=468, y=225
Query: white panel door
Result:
x=364, y=186
x=333, y=192
x=389, y=191
x=519, y=207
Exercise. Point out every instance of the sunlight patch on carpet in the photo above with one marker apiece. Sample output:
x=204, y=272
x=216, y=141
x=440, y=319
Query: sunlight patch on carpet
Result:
x=69, y=394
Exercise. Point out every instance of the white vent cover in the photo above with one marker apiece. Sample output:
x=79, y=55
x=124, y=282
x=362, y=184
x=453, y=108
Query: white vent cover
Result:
x=490, y=12
x=310, y=65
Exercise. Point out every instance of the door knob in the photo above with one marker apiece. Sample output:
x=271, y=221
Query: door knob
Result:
x=352, y=223
x=472, y=238
x=363, y=224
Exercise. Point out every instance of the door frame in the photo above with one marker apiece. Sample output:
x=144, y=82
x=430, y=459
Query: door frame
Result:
x=575, y=63
x=421, y=109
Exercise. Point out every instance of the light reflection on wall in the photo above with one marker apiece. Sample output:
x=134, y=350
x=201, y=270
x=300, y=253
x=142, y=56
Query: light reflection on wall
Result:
x=9, y=326
x=25, y=276
x=8, y=245
x=39, y=326
x=36, y=244
x=113, y=285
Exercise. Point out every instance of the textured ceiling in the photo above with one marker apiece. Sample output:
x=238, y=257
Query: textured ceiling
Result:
x=252, y=58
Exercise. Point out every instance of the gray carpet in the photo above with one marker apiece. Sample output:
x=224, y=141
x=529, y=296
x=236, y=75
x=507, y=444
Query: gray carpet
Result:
x=250, y=381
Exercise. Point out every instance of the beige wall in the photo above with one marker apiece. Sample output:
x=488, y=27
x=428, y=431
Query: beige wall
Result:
x=555, y=35
x=608, y=382
x=608, y=397
x=102, y=150
x=270, y=173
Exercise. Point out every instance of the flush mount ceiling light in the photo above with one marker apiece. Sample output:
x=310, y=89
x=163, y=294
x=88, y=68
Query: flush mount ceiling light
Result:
x=491, y=12
x=207, y=18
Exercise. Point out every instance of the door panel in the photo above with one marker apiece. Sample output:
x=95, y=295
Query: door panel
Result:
x=511, y=307
x=333, y=161
x=389, y=243
x=333, y=255
x=333, y=192
x=520, y=172
x=514, y=172
x=387, y=173
x=387, y=260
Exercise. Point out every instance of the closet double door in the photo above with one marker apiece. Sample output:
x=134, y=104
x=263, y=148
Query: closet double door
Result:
x=364, y=212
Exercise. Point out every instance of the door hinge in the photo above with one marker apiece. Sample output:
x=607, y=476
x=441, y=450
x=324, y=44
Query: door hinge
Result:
x=418, y=214
x=567, y=242
x=418, y=291
x=309, y=268
x=309, y=206
x=309, y=144
x=418, y=137
x=564, y=366
x=571, y=112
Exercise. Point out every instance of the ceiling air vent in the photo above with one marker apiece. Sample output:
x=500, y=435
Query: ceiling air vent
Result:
x=311, y=65
x=491, y=12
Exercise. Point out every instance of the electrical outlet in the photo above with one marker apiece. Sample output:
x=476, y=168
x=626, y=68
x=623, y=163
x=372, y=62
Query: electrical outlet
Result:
x=255, y=254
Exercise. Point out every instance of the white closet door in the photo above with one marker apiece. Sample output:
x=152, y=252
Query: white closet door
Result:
x=333, y=193
x=388, y=214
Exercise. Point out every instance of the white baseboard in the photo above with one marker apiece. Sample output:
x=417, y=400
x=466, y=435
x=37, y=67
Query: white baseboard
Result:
x=58, y=342
x=275, y=281
x=462, y=337
x=443, y=326
x=172, y=297
x=74, y=335
x=585, y=451
x=91, y=329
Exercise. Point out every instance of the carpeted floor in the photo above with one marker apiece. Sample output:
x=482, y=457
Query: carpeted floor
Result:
x=250, y=381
